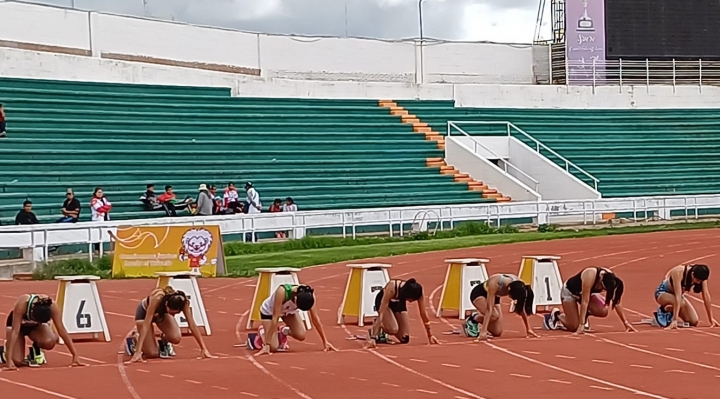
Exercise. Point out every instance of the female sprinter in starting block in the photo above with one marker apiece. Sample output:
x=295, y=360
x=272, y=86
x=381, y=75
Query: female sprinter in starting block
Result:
x=160, y=308
x=391, y=305
x=584, y=289
x=30, y=318
x=285, y=302
x=486, y=299
x=670, y=296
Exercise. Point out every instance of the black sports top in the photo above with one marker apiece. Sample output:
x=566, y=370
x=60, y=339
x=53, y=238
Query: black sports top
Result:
x=574, y=283
x=683, y=282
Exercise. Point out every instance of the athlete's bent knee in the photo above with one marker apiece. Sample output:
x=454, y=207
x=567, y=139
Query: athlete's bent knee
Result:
x=47, y=343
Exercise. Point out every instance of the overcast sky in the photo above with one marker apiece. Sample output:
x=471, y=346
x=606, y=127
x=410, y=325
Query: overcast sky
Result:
x=509, y=21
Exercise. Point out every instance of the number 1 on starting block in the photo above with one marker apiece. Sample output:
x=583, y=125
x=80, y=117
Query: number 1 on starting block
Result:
x=543, y=275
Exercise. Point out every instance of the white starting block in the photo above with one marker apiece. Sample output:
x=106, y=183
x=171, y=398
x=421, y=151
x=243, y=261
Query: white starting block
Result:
x=461, y=277
x=187, y=283
x=80, y=306
x=269, y=281
x=364, y=282
x=543, y=275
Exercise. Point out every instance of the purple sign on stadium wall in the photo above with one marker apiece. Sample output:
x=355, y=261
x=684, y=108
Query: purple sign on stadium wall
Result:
x=585, y=41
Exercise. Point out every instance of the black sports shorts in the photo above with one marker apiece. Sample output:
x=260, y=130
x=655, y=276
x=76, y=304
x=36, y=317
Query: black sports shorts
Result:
x=480, y=291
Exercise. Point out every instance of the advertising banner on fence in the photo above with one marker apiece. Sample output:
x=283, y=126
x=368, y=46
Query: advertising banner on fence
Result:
x=141, y=251
x=585, y=41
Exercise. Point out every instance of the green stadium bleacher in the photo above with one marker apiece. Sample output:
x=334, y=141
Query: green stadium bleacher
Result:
x=326, y=154
x=633, y=152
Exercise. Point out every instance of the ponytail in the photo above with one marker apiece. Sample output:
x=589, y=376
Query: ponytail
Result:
x=305, y=297
x=523, y=296
x=411, y=290
x=40, y=310
x=614, y=288
x=175, y=300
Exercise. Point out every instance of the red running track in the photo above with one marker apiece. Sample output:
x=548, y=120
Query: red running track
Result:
x=651, y=363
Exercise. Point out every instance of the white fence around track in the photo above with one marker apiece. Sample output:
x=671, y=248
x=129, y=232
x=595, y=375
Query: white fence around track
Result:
x=298, y=223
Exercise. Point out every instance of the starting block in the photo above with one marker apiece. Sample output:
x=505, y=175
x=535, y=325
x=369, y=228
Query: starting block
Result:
x=187, y=283
x=461, y=277
x=268, y=281
x=80, y=306
x=542, y=273
x=363, y=284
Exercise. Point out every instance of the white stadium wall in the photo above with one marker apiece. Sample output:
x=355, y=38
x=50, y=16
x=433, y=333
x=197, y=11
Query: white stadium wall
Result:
x=54, y=43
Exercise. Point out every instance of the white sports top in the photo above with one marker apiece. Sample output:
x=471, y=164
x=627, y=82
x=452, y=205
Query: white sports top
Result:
x=288, y=307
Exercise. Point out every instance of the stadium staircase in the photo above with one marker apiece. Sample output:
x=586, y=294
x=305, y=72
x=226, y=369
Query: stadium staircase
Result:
x=326, y=154
x=420, y=127
x=633, y=152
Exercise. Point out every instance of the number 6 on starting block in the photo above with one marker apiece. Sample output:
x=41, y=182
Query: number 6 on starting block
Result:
x=187, y=283
x=543, y=275
x=80, y=306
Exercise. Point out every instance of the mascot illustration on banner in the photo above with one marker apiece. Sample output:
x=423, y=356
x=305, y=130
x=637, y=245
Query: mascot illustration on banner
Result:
x=195, y=246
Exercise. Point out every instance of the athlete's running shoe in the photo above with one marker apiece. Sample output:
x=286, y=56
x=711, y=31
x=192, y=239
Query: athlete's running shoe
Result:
x=552, y=319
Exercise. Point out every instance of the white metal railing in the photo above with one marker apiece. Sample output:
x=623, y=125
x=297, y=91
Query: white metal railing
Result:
x=530, y=181
x=510, y=128
x=623, y=72
x=579, y=211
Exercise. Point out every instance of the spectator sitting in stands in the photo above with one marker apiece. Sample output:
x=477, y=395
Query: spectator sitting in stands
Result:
x=169, y=202
x=231, y=199
x=218, y=208
x=150, y=200
x=204, y=202
x=26, y=215
x=277, y=207
x=70, y=208
x=3, y=133
x=289, y=205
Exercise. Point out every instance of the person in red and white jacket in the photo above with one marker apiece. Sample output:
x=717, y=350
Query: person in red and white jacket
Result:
x=100, y=206
x=231, y=199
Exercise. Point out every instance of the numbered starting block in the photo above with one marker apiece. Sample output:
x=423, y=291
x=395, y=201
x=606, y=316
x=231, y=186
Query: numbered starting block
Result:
x=542, y=273
x=268, y=281
x=461, y=277
x=187, y=283
x=364, y=282
x=80, y=307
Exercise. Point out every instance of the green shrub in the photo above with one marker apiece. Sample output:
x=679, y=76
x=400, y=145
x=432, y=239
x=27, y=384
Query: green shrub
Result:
x=74, y=267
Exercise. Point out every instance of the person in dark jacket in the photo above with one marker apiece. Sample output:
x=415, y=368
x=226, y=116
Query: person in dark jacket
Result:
x=26, y=215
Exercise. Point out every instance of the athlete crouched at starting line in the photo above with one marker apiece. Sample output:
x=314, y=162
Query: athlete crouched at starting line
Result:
x=285, y=302
x=392, y=318
x=160, y=308
x=486, y=299
x=674, y=305
x=31, y=318
x=583, y=290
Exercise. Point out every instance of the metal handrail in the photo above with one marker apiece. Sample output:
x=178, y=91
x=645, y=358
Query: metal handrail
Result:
x=452, y=124
x=631, y=72
x=538, y=146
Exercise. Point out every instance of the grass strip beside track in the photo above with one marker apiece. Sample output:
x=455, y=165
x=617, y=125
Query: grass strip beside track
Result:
x=245, y=265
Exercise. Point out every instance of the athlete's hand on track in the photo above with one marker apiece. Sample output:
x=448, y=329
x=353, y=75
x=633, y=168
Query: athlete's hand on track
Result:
x=370, y=343
x=329, y=347
x=136, y=358
x=629, y=328
x=264, y=351
x=531, y=334
x=10, y=367
x=483, y=336
x=76, y=363
x=714, y=323
x=580, y=330
x=205, y=354
x=672, y=326
x=433, y=341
